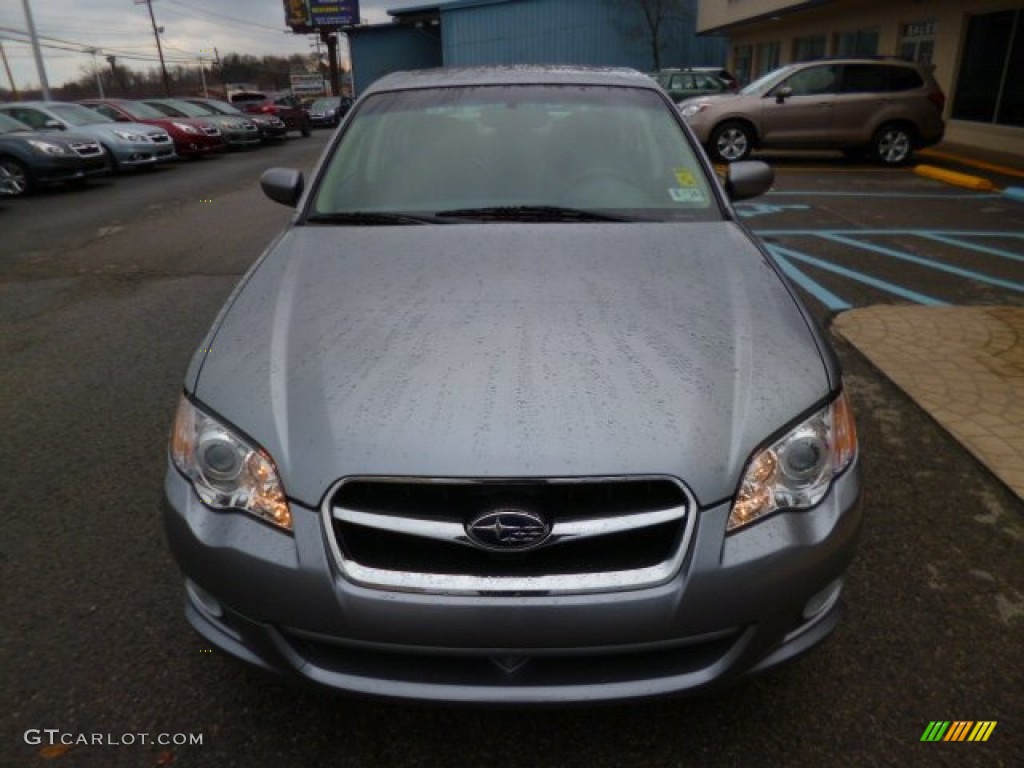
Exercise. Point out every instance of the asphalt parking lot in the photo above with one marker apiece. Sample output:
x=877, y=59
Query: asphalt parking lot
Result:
x=104, y=293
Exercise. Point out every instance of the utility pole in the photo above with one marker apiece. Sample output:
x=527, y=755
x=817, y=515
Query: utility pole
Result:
x=159, y=48
x=96, y=71
x=10, y=77
x=36, y=50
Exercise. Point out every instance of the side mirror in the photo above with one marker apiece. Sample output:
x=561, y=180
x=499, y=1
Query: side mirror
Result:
x=783, y=93
x=283, y=185
x=747, y=179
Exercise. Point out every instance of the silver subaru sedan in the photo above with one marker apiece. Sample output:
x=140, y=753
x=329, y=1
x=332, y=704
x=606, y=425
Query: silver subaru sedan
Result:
x=514, y=411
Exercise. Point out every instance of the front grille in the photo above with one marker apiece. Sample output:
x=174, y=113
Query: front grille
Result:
x=87, y=149
x=159, y=138
x=211, y=130
x=607, y=534
x=538, y=667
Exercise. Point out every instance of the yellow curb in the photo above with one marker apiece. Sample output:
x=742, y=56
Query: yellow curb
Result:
x=980, y=164
x=976, y=183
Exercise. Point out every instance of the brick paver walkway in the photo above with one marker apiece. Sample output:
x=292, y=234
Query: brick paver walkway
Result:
x=964, y=365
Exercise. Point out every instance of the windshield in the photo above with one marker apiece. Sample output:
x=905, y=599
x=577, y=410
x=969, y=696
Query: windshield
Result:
x=324, y=104
x=73, y=114
x=190, y=110
x=221, y=107
x=9, y=125
x=768, y=79
x=591, y=148
x=141, y=111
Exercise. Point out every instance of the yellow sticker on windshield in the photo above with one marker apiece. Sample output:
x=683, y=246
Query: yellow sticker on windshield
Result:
x=685, y=177
x=687, y=195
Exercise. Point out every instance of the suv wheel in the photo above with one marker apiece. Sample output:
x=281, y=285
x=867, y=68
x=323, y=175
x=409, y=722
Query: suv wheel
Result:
x=731, y=142
x=892, y=144
x=306, y=131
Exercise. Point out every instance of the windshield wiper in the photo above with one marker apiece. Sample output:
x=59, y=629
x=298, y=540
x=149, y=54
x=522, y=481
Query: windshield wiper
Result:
x=373, y=218
x=537, y=213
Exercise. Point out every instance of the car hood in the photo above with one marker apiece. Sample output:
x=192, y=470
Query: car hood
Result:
x=62, y=138
x=511, y=350
x=109, y=130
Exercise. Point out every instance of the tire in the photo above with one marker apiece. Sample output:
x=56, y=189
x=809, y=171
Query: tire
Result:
x=16, y=181
x=112, y=167
x=306, y=130
x=731, y=142
x=892, y=144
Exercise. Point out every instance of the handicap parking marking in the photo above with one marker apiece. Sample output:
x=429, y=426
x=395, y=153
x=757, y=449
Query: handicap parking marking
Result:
x=750, y=210
x=789, y=258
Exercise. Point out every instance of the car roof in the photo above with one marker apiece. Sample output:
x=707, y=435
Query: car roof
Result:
x=512, y=75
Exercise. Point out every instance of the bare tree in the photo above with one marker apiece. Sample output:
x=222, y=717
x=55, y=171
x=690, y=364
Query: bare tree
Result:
x=656, y=15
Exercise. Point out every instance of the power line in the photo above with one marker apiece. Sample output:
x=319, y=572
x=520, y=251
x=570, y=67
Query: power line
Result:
x=205, y=12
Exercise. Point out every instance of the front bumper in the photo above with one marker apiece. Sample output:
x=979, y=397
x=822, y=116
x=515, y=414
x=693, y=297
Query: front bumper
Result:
x=738, y=605
x=50, y=169
x=132, y=154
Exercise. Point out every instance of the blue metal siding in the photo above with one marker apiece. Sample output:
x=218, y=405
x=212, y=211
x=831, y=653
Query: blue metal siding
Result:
x=378, y=51
x=587, y=32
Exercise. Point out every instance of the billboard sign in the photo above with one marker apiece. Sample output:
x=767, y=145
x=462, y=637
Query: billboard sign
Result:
x=304, y=16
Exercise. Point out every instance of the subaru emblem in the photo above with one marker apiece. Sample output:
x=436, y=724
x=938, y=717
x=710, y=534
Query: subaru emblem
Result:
x=508, y=529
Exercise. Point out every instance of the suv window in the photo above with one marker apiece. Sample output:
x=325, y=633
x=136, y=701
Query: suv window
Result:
x=879, y=78
x=814, y=80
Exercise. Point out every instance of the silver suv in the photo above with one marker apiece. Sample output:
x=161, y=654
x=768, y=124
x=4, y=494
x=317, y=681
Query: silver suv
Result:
x=882, y=107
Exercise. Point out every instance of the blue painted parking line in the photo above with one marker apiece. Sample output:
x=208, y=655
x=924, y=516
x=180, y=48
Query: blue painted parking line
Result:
x=832, y=302
x=917, y=232
x=959, y=242
x=852, y=274
x=912, y=195
x=929, y=263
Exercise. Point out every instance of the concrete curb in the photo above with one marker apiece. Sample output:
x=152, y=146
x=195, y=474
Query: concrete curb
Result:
x=967, y=181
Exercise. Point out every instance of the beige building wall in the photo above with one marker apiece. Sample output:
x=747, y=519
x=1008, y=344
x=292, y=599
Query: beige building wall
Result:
x=784, y=21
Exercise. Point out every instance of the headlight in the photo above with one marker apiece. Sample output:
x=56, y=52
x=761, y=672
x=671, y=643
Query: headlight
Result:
x=47, y=148
x=690, y=110
x=185, y=127
x=224, y=469
x=130, y=136
x=796, y=471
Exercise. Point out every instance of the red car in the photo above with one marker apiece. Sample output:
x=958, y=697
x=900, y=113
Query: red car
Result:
x=283, y=105
x=192, y=136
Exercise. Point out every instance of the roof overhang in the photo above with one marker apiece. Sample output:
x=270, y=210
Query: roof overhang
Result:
x=767, y=16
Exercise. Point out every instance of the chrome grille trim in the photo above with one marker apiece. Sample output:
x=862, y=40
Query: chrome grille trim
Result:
x=562, y=531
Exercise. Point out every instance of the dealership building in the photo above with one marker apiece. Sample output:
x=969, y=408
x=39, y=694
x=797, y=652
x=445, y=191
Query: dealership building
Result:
x=975, y=46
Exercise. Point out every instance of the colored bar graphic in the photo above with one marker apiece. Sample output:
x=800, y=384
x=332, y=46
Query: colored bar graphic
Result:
x=982, y=730
x=935, y=731
x=958, y=730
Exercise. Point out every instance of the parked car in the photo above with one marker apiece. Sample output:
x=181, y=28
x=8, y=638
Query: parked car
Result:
x=682, y=84
x=270, y=126
x=477, y=427
x=329, y=111
x=282, y=105
x=239, y=132
x=721, y=73
x=192, y=137
x=127, y=146
x=29, y=160
x=885, y=108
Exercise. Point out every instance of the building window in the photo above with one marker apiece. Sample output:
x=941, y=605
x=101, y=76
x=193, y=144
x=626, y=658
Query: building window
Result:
x=858, y=42
x=807, y=48
x=741, y=63
x=767, y=57
x=918, y=41
x=989, y=88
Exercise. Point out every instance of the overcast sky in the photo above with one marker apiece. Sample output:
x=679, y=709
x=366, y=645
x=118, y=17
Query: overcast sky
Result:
x=123, y=28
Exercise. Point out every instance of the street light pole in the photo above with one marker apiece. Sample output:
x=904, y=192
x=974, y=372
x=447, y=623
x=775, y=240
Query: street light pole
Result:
x=36, y=50
x=159, y=48
x=96, y=71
